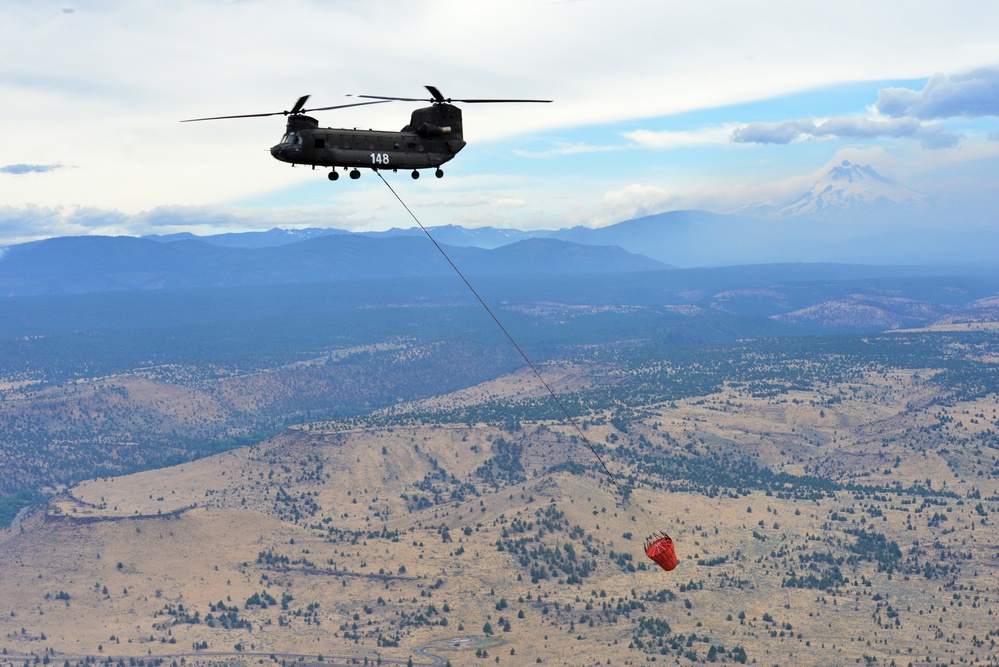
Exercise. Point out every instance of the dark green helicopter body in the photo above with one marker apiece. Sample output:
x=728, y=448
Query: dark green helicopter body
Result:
x=432, y=137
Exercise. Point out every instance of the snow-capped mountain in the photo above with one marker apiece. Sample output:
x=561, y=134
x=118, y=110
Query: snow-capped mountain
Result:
x=846, y=189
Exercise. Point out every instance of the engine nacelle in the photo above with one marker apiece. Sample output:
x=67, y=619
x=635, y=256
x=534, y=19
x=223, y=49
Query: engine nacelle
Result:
x=428, y=130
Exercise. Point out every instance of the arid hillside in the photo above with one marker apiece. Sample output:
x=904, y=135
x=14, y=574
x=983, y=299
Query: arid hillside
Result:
x=110, y=383
x=831, y=504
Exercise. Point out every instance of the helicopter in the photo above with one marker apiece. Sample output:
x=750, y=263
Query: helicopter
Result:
x=432, y=137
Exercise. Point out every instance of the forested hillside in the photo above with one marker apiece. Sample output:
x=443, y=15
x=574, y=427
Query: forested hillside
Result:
x=831, y=499
x=110, y=383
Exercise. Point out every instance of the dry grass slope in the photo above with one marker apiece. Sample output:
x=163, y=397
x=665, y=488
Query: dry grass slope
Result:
x=476, y=544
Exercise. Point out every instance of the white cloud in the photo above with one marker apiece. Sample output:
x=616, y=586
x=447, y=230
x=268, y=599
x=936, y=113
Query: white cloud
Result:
x=845, y=127
x=970, y=95
x=667, y=139
x=967, y=95
x=19, y=224
x=479, y=218
x=508, y=202
x=27, y=223
x=632, y=201
x=564, y=149
x=477, y=200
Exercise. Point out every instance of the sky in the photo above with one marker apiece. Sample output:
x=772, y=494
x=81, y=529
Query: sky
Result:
x=658, y=106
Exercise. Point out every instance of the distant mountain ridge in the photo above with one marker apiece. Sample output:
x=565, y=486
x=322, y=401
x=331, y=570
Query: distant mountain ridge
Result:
x=270, y=238
x=99, y=264
x=851, y=215
x=478, y=237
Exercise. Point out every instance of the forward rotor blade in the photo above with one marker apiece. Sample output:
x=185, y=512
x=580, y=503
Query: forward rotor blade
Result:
x=245, y=115
x=295, y=110
x=299, y=104
x=343, y=106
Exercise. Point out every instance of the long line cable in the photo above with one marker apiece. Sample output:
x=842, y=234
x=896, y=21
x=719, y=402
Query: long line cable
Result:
x=505, y=332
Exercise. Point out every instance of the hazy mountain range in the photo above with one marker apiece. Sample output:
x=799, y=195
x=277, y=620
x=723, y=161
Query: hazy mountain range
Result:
x=101, y=263
x=852, y=215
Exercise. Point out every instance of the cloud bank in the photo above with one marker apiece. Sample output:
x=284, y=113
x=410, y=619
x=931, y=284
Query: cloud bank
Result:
x=20, y=224
x=903, y=112
x=974, y=94
x=846, y=127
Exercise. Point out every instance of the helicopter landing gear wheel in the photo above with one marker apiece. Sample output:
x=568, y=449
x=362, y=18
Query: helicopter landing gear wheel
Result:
x=439, y=173
x=333, y=175
x=355, y=174
x=415, y=174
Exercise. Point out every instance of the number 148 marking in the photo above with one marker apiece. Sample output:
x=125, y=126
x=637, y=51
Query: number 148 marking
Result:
x=379, y=158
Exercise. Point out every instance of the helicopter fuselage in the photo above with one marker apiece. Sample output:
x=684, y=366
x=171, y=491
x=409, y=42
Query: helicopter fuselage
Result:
x=433, y=136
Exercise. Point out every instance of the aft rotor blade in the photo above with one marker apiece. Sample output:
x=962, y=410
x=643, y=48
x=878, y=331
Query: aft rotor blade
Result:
x=497, y=101
x=436, y=94
x=445, y=100
x=440, y=99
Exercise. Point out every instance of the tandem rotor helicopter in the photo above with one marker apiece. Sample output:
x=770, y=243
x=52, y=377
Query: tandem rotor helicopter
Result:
x=432, y=137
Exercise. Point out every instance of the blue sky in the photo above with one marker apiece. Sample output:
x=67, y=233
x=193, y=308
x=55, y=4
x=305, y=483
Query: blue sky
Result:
x=658, y=106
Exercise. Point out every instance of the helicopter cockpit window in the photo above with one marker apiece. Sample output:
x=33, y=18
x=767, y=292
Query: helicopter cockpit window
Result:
x=292, y=139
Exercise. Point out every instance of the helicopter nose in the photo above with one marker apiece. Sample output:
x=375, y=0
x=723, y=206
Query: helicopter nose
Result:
x=282, y=152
